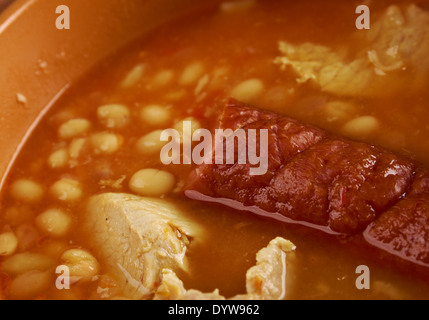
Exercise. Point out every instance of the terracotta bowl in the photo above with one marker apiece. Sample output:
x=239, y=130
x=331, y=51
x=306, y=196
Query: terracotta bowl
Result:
x=38, y=62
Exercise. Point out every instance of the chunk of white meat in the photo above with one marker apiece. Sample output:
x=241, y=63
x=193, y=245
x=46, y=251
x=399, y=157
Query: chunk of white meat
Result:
x=400, y=39
x=265, y=281
x=138, y=237
x=398, y=42
x=326, y=68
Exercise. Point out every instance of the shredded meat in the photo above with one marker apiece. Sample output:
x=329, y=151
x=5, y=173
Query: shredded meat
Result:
x=398, y=41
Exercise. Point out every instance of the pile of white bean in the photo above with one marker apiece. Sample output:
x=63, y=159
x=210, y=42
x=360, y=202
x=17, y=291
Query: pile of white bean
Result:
x=33, y=273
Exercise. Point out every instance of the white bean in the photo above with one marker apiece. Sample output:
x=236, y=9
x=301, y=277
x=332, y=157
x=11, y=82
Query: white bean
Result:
x=105, y=142
x=339, y=111
x=248, y=90
x=192, y=73
x=133, y=76
x=30, y=284
x=80, y=263
x=76, y=147
x=162, y=78
x=155, y=115
x=58, y=159
x=195, y=125
x=8, y=244
x=54, y=222
x=152, y=182
x=26, y=190
x=361, y=127
x=202, y=83
x=73, y=128
x=24, y=262
x=151, y=143
x=66, y=190
x=219, y=76
x=113, y=115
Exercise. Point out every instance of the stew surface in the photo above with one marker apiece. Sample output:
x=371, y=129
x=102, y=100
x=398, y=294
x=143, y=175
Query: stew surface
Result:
x=106, y=129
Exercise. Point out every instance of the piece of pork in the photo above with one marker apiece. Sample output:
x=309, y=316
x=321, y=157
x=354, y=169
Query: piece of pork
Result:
x=403, y=230
x=391, y=56
x=264, y=281
x=313, y=177
x=138, y=237
x=323, y=181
